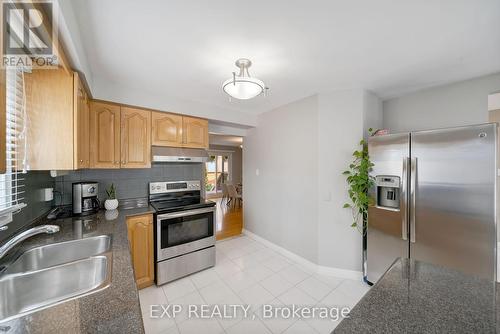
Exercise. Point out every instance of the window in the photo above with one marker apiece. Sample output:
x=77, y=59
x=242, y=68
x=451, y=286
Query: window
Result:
x=217, y=171
x=12, y=182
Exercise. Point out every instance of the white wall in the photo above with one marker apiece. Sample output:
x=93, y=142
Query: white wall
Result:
x=229, y=130
x=280, y=204
x=372, y=112
x=343, y=120
x=301, y=150
x=462, y=103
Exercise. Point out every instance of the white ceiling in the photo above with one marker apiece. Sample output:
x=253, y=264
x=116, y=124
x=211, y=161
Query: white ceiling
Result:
x=186, y=49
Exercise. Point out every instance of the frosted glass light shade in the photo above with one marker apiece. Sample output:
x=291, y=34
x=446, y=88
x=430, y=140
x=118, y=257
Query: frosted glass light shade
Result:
x=243, y=88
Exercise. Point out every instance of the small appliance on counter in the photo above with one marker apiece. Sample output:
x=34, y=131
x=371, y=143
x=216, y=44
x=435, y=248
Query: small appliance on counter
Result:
x=185, y=229
x=85, y=199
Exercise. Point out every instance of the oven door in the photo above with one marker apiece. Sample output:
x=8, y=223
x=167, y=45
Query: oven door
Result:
x=183, y=232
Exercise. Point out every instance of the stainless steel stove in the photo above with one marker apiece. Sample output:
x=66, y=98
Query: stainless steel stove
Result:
x=185, y=229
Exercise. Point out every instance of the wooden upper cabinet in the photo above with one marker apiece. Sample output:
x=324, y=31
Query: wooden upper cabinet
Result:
x=140, y=236
x=3, y=115
x=104, y=135
x=57, y=107
x=166, y=129
x=82, y=125
x=178, y=131
x=50, y=110
x=195, y=132
x=3, y=121
x=135, y=138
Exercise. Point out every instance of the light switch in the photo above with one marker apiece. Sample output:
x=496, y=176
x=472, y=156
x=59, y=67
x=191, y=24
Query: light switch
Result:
x=257, y=172
x=48, y=194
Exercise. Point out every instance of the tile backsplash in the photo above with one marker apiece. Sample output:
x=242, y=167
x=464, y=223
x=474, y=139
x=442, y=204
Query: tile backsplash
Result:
x=129, y=183
x=34, y=183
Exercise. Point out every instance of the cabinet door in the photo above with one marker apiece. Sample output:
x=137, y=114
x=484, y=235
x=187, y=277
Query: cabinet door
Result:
x=167, y=129
x=50, y=111
x=140, y=235
x=3, y=114
x=195, y=132
x=136, y=138
x=82, y=125
x=105, y=135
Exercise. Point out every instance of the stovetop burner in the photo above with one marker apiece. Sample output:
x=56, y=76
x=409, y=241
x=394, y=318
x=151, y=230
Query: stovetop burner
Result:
x=180, y=205
x=176, y=196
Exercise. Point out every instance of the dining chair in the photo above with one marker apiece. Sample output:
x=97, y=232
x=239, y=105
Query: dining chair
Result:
x=233, y=195
x=225, y=194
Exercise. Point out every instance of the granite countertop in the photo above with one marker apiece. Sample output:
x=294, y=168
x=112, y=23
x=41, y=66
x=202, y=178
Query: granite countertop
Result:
x=115, y=309
x=417, y=297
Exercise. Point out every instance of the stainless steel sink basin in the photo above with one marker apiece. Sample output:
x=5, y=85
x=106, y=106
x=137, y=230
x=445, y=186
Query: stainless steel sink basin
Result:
x=46, y=275
x=28, y=292
x=54, y=254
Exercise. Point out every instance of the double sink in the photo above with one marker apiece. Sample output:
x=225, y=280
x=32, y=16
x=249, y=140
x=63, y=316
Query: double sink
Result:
x=47, y=275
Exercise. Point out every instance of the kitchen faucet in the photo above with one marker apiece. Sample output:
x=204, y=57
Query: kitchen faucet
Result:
x=49, y=229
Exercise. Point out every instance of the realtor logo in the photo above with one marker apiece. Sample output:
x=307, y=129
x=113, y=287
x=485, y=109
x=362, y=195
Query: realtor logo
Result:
x=29, y=33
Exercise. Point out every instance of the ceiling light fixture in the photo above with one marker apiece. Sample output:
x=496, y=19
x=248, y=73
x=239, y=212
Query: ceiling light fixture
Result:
x=242, y=86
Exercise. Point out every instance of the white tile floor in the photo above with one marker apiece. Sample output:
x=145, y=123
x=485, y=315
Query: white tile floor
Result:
x=248, y=273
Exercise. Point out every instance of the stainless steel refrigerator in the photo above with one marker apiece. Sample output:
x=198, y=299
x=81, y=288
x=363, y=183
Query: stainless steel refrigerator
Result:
x=434, y=200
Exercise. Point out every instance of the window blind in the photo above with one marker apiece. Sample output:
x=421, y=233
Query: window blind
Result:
x=12, y=182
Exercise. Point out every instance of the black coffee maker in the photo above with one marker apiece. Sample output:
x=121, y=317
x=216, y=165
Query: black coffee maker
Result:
x=85, y=199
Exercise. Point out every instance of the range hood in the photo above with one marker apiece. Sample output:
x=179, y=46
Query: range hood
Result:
x=175, y=154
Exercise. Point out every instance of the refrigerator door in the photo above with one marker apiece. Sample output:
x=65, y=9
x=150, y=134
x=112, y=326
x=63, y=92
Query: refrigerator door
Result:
x=452, y=206
x=387, y=230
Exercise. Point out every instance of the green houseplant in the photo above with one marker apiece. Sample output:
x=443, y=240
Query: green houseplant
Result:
x=359, y=182
x=111, y=203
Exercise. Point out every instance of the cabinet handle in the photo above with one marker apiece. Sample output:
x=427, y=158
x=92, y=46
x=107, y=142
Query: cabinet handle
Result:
x=81, y=160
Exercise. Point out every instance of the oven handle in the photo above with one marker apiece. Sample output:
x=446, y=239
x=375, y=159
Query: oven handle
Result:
x=184, y=213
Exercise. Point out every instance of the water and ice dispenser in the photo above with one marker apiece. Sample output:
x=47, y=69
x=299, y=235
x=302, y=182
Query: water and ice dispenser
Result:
x=388, y=191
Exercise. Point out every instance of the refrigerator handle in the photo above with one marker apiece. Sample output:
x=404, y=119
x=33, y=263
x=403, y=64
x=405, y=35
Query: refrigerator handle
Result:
x=413, y=185
x=403, y=204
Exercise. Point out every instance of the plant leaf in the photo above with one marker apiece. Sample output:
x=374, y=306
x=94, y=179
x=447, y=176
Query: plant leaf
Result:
x=359, y=182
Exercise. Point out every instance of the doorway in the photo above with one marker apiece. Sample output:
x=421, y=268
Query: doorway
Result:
x=224, y=166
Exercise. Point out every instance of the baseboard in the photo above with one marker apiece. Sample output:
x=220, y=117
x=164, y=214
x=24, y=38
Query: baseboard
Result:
x=330, y=271
x=286, y=253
